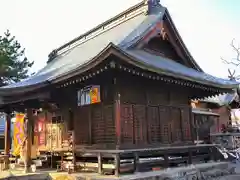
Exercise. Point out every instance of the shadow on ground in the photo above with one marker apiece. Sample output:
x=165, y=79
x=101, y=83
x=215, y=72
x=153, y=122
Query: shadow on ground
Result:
x=9, y=176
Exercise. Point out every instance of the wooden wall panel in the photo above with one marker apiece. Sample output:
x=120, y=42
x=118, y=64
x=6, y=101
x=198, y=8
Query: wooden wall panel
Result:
x=146, y=114
x=127, y=131
x=110, y=133
x=165, y=124
x=143, y=124
x=139, y=121
x=81, y=125
x=98, y=125
x=158, y=97
x=186, y=128
x=154, y=124
x=175, y=118
x=178, y=96
x=132, y=94
x=94, y=125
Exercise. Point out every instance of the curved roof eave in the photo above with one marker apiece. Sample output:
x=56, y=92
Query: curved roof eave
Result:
x=9, y=91
x=20, y=90
x=42, y=80
x=135, y=61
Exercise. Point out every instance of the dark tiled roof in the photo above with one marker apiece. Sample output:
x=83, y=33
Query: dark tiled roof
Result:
x=123, y=32
x=90, y=46
x=169, y=67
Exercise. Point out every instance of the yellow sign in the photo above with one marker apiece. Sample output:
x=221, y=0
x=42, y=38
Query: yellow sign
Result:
x=94, y=94
x=18, y=133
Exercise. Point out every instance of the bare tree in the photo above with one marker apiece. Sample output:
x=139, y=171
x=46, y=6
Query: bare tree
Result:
x=234, y=61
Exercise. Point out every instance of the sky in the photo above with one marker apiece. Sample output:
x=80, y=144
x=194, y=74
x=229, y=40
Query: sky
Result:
x=207, y=27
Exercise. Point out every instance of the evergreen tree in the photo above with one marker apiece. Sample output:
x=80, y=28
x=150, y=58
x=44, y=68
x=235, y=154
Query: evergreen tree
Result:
x=14, y=66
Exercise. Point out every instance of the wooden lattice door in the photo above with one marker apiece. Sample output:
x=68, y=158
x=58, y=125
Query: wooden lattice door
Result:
x=127, y=132
x=82, y=126
x=98, y=125
x=139, y=124
x=175, y=120
x=186, y=120
x=154, y=124
x=165, y=125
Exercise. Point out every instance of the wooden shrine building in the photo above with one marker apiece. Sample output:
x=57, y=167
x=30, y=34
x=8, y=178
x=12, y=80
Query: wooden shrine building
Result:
x=223, y=104
x=124, y=87
x=217, y=111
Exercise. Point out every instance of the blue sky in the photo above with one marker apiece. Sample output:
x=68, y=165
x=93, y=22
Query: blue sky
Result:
x=206, y=26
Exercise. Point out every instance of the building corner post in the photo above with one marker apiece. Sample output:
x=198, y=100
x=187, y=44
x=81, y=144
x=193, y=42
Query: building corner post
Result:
x=117, y=114
x=118, y=120
x=29, y=137
x=7, y=133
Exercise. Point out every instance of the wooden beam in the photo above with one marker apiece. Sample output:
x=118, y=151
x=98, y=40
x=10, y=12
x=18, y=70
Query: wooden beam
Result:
x=7, y=137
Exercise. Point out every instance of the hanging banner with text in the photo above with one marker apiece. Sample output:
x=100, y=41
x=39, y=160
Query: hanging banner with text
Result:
x=18, y=132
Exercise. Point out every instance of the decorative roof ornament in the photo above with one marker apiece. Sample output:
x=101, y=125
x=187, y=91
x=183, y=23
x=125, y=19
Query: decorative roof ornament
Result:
x=151, y=4
x=52, y=55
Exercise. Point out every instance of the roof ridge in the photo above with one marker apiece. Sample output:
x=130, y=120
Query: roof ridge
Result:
x=125, y=15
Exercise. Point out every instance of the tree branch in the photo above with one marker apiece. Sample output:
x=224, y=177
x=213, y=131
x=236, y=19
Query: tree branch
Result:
x=230, y=62
x=237, y=50
x=233, y=61
x=236, y=60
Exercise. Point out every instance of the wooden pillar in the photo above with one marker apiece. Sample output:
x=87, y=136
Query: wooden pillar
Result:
x=7, y=137
x=182, y=126
x=29, y=134
x=118, y=120
x=189, y=156
x=166, y=159
x=191, y=120
x=90, y=125
x=136, y=162
x=117, y=164
x=213, y=153
x=100, y=168
x=73, y=151
x=117, y=115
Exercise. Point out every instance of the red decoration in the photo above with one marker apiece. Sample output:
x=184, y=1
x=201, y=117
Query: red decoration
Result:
x=41, y=139
x=40, y=126
x=40, y=130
